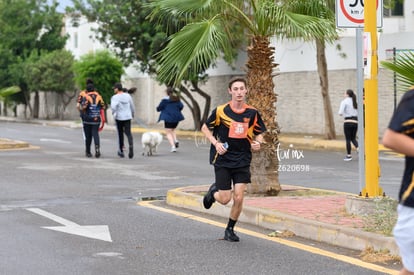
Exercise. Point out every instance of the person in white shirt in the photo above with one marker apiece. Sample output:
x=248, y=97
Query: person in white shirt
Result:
x=123, y=111
x=348, y=109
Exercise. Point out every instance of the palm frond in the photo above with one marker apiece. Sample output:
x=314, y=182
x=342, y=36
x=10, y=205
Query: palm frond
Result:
x=9, y=91
x=192, y=50
x=404, y=68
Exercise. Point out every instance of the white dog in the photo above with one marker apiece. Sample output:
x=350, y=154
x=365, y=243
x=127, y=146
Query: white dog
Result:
x=150, y=142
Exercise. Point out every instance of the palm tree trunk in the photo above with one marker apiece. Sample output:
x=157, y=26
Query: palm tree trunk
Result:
x=323, y=78
x=264, y=168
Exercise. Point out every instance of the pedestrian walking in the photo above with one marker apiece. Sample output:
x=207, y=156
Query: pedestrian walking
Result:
x=234, y=129
x=170, y=108
x=91, y=107
x=348, y=109
x=123, y=111
x=400, y=137
x=79, y=102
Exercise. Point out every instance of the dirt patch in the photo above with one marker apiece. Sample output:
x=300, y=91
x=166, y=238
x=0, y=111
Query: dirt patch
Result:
x=383, y=257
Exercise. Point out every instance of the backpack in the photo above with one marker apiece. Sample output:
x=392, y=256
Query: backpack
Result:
x=91, y=104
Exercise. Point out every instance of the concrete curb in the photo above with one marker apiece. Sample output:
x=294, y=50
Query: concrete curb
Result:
x=274, y=220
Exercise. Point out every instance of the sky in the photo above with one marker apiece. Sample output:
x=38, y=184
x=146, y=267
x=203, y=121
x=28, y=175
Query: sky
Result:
x=62, y=4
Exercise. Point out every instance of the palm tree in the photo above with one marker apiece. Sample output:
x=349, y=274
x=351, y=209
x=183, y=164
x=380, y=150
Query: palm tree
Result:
x=403, y=66
x=322, y=9
x=5, y=93
x=201, y=42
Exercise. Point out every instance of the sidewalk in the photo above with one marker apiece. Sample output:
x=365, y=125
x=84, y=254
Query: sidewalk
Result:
x=321, y=217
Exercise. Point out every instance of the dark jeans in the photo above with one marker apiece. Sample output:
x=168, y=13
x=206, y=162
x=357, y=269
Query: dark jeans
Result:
x=350, y=130
x=124, y=126
x=91, y=131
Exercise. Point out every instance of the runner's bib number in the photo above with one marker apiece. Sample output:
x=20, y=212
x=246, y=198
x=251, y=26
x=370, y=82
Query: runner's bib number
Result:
x=238, y=129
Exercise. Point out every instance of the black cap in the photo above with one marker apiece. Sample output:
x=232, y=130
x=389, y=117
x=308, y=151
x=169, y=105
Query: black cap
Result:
x=117, y=86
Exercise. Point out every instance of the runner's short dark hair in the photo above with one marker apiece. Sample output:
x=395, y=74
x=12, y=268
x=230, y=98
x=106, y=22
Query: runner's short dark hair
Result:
x=237, y=79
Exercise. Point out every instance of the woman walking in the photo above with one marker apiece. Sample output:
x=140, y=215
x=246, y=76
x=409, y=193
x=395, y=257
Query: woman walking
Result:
x=348, y=109
x=170, y=108
x=123, y=111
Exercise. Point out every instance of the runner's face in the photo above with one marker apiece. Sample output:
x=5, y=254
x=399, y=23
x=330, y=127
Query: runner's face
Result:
x=238, y=91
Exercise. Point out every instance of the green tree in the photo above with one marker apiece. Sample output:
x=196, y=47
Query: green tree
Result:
x=198, y=43
x=103, y=68
x=26, y=26
x=403, y=66
x=123, y=25
x=52, y=72
x=324, y=9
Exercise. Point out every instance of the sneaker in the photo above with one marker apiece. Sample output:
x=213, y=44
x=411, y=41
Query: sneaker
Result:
x=230, y=236
x=121, y=154
x=348, y=158
x=173, y=149
x=177, y=144
x=208, y=199
x=131, y=152
x=88, y=155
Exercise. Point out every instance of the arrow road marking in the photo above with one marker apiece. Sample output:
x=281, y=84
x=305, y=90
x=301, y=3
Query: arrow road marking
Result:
x=99, y=232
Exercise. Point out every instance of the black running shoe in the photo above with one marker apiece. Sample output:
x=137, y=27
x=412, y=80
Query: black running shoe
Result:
x=177, y=144
x=230, y=236
x=208, y=199
x=131, y=152
x=121, y=154
x=88, y=154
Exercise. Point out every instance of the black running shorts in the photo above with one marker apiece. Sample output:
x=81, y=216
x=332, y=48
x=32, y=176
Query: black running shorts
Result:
x=226, y=176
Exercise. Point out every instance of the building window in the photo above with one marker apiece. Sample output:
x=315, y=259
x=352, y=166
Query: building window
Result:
x=393, y=8
x=75, y=40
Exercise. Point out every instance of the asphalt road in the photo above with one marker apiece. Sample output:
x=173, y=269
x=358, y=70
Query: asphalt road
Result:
x=62, y=213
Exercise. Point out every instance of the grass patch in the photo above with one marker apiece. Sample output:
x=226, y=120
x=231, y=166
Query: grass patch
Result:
x=304, y=192
x=383, y=217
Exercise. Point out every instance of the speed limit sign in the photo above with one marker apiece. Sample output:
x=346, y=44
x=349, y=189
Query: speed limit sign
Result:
x=350, y=13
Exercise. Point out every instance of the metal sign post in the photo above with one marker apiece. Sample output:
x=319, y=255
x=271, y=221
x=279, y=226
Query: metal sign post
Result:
x=353, y=14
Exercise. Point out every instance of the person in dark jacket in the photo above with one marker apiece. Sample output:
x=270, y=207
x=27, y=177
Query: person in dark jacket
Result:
x=170, y=108
x=399, y=137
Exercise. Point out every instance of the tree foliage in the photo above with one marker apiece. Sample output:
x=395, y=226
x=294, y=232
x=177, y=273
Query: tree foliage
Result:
x=103, y=68
x=50, y=72
x=403, y=66
x=26, y=26
x=123, y=25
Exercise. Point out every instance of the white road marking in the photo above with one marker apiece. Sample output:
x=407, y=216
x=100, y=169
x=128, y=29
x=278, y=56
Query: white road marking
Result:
x=54, y=140
x=99, y=232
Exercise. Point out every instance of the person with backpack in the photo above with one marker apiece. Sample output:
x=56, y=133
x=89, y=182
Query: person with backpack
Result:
x=79, y=102
x=91, y=106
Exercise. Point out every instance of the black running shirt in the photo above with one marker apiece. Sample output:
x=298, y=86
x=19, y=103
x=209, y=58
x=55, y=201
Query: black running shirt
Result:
x=402, y=121
x=238, y=130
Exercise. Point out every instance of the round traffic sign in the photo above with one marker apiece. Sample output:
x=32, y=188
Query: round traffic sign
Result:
x=353, y=10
